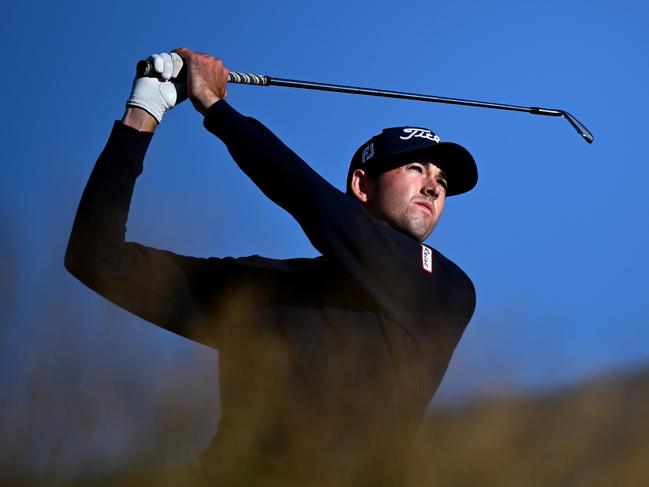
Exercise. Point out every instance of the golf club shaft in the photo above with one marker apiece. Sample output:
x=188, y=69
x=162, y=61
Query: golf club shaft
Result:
x=144, y=68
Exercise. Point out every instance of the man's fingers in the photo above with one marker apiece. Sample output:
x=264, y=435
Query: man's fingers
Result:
x=206, y=78
x=168, y=65
x=177, y=64
x=163, y=64
x=183, y=52
x=188, y=55
x=158, y=63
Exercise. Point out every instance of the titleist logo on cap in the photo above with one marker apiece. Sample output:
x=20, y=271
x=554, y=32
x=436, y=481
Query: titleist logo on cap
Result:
x=421, y=133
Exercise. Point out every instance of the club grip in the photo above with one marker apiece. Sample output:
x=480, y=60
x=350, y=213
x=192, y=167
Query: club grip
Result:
x=248, y=78
x=145, y=69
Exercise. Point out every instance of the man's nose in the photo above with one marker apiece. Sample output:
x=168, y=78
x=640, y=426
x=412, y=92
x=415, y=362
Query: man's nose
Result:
x=432, y=188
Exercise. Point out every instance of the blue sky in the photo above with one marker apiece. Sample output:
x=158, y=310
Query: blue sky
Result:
x=554, y=236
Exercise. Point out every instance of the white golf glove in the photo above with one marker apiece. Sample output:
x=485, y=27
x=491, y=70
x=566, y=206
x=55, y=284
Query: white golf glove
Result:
x=157, y=95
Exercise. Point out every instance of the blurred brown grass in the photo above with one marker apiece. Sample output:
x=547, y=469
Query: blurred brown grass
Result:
x=596, y=434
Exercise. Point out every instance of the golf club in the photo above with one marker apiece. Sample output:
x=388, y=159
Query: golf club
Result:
x=145, y=68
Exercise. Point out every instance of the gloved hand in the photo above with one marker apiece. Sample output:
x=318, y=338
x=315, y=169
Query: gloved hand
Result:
x=157, y=95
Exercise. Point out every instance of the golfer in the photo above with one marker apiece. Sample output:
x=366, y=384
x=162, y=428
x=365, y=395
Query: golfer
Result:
x=326, y=364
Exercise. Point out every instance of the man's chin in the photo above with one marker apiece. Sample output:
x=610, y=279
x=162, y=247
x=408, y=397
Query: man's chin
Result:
x=418, y=232
x=421, y=229
x=417, y=228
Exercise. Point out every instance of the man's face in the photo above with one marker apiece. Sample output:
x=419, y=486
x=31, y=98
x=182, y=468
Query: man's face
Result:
x=410, y=198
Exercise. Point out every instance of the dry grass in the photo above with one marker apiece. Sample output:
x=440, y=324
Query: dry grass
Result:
x=594, y=435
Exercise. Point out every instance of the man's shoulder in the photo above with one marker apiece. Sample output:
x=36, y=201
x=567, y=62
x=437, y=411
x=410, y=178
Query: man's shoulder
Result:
x=453, y=271
x=444, y=262
x=455, y=284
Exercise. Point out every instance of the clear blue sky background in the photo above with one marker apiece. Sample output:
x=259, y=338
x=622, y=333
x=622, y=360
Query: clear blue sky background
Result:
x=554, y=236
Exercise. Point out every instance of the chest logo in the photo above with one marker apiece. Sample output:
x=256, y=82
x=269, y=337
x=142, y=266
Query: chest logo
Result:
x=426, y=258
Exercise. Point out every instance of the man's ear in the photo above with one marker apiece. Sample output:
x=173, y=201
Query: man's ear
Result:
x=361, y=185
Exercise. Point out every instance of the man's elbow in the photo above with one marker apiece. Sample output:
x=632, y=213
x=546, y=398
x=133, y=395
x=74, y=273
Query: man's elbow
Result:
x=79, y=262
x=73, y=261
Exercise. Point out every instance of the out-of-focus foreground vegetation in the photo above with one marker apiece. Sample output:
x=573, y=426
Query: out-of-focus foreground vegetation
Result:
x=596, y=434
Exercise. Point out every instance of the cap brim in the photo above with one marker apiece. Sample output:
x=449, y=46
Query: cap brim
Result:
x=458, y=165
x=456, y=162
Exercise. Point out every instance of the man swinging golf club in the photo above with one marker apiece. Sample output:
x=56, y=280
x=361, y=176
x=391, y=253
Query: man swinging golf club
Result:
x=326, y=364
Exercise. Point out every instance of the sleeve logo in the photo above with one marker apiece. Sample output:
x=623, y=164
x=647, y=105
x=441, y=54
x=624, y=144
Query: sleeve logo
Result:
x=426, y=258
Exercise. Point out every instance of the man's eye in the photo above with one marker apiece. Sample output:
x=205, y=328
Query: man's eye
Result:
x=442, y=183
x=417, y=168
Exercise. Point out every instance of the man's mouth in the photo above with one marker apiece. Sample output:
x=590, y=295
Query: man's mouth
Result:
x=429, y=206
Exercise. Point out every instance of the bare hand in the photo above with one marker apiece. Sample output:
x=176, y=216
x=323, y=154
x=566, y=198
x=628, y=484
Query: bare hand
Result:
x=207, y=78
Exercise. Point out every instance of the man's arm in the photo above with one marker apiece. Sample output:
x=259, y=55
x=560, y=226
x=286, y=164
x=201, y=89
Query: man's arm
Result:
x=387, y=263
x=139, y=119
x=159, y=286
x=172, y=291
x=148, y=282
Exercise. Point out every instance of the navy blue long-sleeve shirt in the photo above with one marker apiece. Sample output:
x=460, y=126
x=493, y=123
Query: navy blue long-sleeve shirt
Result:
x=326, y=364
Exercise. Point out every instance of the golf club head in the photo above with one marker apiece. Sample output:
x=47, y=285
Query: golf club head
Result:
x=579, y=127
